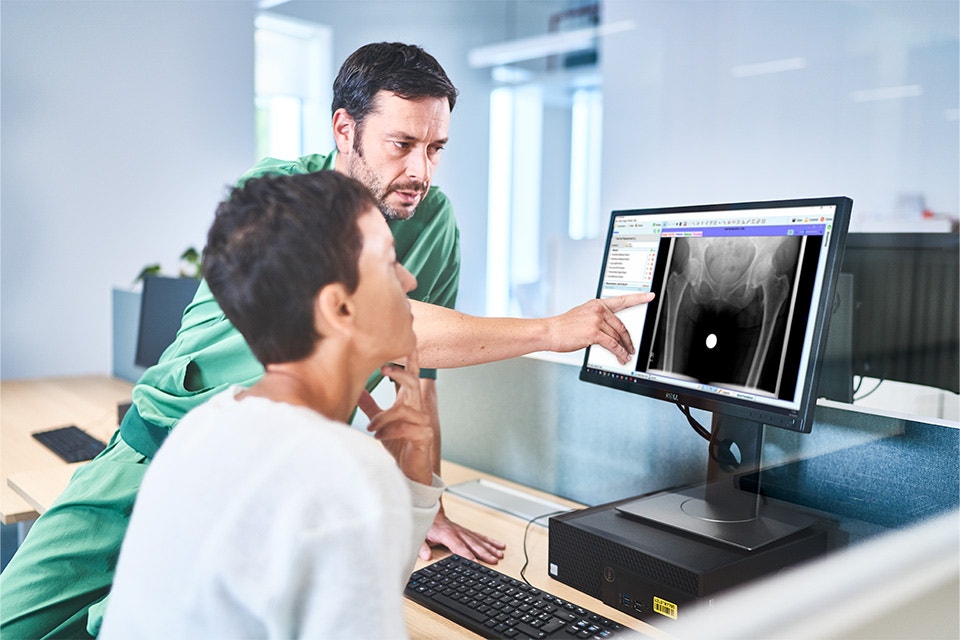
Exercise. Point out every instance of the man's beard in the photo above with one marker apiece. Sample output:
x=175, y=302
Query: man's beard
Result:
x=360, y=170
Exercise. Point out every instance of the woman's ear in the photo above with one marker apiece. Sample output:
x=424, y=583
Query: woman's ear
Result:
x=334, y=310
x=344, y=129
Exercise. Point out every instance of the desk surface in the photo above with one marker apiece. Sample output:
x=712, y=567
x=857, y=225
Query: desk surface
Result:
x=27, y=406
x=90, y=402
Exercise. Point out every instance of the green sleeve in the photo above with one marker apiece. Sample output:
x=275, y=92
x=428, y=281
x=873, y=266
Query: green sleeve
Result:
x=207, y=356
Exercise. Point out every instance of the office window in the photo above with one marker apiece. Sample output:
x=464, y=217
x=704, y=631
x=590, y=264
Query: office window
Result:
x=293, y=78
x=585, y=136
x=544, y=192
x=513, y=223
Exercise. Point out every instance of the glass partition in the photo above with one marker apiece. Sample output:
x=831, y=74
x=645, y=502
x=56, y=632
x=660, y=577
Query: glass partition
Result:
x=734, y=101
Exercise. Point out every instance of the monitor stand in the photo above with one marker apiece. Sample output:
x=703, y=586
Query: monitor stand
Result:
x=720, y=510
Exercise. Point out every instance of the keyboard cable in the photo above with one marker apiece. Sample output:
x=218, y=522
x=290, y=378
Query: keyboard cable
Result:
x=526, y=530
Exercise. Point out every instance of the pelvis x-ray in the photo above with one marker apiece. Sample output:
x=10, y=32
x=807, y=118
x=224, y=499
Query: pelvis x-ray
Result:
x=726, y=309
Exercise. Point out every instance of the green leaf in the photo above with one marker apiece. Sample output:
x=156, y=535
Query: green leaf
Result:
x=149, y=270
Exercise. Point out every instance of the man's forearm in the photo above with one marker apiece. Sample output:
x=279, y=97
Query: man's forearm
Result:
x=447, y=338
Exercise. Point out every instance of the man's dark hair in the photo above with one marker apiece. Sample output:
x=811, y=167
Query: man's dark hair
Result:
x=403, y=69
x=275, y=242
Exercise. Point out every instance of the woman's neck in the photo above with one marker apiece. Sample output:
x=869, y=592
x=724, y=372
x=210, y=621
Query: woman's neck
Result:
x=319, y=384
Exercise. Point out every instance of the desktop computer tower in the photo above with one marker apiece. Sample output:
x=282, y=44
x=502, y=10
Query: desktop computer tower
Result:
x=653, y=572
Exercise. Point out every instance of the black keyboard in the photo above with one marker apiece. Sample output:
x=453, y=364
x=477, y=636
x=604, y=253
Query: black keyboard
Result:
x=494, y=605
x=71, y=444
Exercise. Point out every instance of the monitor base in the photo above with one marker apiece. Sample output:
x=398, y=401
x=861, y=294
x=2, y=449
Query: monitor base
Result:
x=690, y=511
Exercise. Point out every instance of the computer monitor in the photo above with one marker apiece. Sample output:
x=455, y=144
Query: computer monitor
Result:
x=905, y=307
x=737, y=328
x=162, y=303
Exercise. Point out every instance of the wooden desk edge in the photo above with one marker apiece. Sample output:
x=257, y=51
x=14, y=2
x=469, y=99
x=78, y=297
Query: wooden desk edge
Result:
x=17, y=508
x=40, y=487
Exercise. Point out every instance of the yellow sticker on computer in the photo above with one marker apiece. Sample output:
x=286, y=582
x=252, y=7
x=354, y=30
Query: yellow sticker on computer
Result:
x=664, y=607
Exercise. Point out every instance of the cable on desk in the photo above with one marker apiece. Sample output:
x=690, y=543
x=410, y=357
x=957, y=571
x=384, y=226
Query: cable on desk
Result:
x=526, y=530
x=857, y=389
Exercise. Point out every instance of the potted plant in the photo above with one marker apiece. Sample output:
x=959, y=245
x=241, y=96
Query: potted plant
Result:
x=189, y=266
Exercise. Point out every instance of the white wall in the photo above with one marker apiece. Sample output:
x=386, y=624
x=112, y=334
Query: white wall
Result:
x=124, y=121
x=122, y=124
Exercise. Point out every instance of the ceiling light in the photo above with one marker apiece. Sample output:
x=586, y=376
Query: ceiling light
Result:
x=887, y=93
x=542, y=46
x=764, y=68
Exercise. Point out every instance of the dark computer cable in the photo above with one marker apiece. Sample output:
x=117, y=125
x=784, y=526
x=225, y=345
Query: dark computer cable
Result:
x=526, y=530
x=703, y=432
x=857, y=388
x=699, y=428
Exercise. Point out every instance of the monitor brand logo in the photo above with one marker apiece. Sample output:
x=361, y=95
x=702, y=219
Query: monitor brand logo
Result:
x=672, y=397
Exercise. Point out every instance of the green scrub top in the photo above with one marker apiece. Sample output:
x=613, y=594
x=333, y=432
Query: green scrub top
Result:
x=209, y=354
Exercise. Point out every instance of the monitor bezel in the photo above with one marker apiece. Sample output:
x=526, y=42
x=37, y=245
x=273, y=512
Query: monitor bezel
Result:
x=798, y=419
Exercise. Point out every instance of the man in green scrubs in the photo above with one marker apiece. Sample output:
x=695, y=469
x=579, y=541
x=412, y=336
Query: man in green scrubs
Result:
x=392, y=106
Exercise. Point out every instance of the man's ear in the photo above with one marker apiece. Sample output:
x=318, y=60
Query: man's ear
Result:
x=334, y=311
x=344, y=130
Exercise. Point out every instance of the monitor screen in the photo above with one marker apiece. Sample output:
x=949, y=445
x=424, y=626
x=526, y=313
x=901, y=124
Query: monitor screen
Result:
x=905, y=307
x=743, y=294
x=161, y=309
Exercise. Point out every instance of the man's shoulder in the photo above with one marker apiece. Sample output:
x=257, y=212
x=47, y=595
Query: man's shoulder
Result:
x=276, y=166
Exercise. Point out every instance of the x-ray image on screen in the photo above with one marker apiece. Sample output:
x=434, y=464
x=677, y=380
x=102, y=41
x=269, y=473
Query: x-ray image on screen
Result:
x=727, y=307
x=743, y=295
